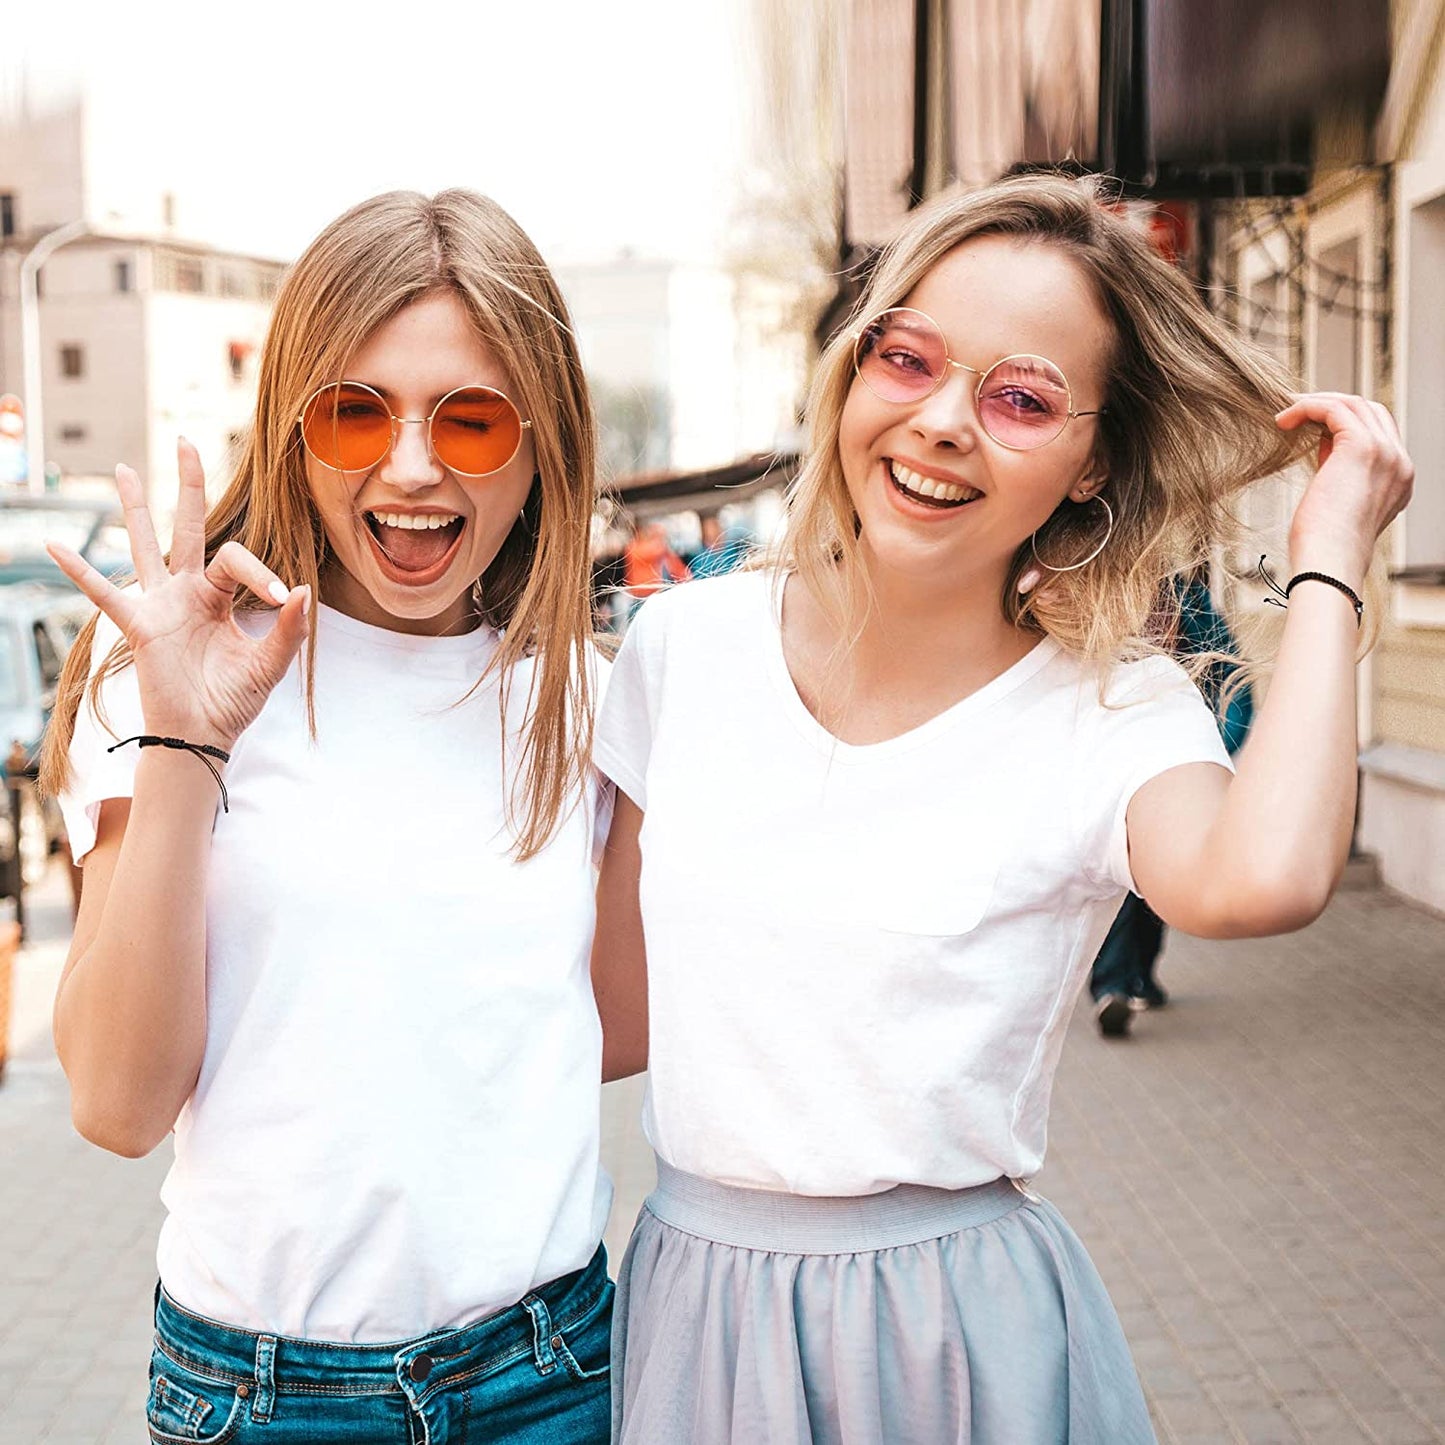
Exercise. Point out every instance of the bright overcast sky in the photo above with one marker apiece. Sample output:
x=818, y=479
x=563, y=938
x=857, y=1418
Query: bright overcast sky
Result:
x=599, y=126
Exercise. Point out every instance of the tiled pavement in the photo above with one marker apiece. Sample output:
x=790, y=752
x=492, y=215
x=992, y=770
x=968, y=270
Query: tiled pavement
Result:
x=1257, y=1172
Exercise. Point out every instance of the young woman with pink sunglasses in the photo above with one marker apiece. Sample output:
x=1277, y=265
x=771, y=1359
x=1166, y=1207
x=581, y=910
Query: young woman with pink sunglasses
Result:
x=953, y=739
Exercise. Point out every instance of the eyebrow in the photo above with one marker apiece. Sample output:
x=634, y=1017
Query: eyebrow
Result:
x=389, y=397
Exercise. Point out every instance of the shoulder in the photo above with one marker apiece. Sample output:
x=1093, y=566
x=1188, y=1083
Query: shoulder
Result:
x=1122, y=694
x=1143, y=679
x=704, y=603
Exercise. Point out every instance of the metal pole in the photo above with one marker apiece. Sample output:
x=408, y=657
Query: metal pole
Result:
x=30, y=359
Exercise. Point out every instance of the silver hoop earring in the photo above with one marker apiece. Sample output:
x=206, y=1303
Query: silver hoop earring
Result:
x=1074, y=566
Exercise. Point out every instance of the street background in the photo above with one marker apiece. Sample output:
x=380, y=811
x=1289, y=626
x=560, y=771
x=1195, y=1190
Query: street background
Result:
x=1256, y=1171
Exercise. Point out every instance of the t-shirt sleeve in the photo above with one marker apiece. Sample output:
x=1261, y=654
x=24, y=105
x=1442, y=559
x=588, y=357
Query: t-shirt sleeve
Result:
x=601, y=790
x=95, y=773
x=629, y=709
x=1153, y=719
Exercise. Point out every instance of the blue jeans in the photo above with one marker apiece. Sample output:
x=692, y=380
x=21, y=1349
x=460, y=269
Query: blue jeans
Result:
x=537, y=1372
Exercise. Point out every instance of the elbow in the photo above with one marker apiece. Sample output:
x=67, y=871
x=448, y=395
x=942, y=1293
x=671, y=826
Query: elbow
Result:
x=1264, y=905
x=111, y=1129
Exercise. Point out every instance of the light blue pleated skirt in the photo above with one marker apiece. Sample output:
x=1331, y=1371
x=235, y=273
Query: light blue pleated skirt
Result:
x=913, y=1317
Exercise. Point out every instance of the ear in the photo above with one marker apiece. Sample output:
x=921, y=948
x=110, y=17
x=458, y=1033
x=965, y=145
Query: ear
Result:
x=1089, y=485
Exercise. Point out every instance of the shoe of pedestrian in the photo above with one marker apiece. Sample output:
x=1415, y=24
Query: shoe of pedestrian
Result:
x=1147, y=994
x=1112, y=1014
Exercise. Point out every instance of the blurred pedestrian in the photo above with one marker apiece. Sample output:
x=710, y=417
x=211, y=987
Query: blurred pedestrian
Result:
x=650, y=562
x=1123, y=980
x=723, y=549
x=951, y=746
x=338, y=863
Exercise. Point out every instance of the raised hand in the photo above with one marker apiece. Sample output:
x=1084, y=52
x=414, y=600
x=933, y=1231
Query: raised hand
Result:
x=1364, y=481
x=201, y=677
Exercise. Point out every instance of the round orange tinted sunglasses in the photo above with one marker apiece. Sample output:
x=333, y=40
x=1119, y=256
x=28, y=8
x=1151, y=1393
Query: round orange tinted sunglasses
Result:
x=350, y=427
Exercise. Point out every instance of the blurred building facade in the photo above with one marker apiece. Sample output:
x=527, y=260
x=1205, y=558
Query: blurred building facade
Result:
x=689, y=365
x=143, y=336
x=1346, y=284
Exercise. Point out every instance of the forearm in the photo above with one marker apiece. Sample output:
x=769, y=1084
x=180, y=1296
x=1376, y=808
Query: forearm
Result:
x=1278, y=844
x=130, y=1015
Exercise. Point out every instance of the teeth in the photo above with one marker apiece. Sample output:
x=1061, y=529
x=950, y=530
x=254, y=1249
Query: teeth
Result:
x=416, y=522
x=922, y=486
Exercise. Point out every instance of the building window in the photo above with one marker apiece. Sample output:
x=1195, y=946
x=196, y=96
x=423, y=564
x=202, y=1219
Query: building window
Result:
x=122, y=276
x=234, y=283
x=72, y=360
x=180, y=273
x=190, y=274
x=7, y=215
x=1425, y=415
x=72, y=433
x=1334, y=278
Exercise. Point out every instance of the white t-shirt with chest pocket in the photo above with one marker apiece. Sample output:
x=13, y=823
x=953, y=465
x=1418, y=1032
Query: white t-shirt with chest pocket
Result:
x=862, y=959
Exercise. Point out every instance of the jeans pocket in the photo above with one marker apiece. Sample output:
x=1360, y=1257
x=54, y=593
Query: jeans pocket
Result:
x=187, y=1405
x=585, y=1346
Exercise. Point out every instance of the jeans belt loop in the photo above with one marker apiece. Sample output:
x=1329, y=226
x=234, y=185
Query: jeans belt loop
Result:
x=541, y=1334
x=265, y=1396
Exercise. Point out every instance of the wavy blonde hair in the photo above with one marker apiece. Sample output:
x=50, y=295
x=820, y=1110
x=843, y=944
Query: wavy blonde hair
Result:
x=1189, y=423
x=363, y=269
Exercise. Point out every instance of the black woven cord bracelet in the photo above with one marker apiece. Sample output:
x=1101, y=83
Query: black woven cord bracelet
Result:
x=1333, y=582
x=1281, y=594
x=204, y=751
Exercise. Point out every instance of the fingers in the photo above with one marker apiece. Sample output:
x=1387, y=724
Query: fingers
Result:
x=1337, y=409
x=279, y=647
x=188, y=539
x=111, y=599
x=1349, y=419
x=145, y=551
x=233, y=566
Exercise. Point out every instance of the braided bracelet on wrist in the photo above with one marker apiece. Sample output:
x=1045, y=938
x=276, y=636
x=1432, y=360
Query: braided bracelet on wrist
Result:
x=1281, y=597
x=204, y=751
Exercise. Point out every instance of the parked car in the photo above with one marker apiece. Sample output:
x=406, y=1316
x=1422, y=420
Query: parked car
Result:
x=38, y=624
x=94, y=527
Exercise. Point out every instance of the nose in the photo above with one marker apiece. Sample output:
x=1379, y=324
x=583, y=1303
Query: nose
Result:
x=948, y=417
x=410, y=465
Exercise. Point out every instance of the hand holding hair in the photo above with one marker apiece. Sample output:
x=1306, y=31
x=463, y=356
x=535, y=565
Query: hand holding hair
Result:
x=1364, y=481
x=201, y=677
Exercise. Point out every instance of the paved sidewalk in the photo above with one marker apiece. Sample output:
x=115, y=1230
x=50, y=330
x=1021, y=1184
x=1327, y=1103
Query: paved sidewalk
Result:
x=1256, y=1171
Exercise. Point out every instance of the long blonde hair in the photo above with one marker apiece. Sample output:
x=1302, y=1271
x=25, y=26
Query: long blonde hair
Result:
x=367, y=265
x=1189, y=424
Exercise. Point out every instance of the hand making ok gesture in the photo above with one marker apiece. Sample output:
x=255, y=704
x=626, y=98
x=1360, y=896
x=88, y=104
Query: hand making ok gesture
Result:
x=201, y=677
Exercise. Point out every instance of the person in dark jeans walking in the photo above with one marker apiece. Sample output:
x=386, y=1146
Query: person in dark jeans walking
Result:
x=1122, y=981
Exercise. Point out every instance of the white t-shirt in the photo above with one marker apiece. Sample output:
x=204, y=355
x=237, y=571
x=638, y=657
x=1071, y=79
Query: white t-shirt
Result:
x=395, y=1128
x=862, y=959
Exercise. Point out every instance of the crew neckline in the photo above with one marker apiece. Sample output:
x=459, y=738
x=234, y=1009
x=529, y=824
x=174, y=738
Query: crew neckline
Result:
x=991, y=693
x=461, y=644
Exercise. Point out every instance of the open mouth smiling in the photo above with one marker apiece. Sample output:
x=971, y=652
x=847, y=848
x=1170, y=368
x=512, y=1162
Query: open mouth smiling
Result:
x=929, y=491
x=414, y=546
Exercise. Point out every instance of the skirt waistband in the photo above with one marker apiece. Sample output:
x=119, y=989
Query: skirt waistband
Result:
x=811, y=1224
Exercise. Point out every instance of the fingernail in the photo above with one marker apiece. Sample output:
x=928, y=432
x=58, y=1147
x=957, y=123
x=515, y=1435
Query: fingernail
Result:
x=1029, y=580
x=279, y=592
x=305, y=601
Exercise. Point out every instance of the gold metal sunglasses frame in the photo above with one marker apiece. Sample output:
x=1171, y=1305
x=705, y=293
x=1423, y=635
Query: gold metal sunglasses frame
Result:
x=524, y=425
x=1069, y=415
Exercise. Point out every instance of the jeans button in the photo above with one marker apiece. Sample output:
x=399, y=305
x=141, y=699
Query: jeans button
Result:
x=420, y=1368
